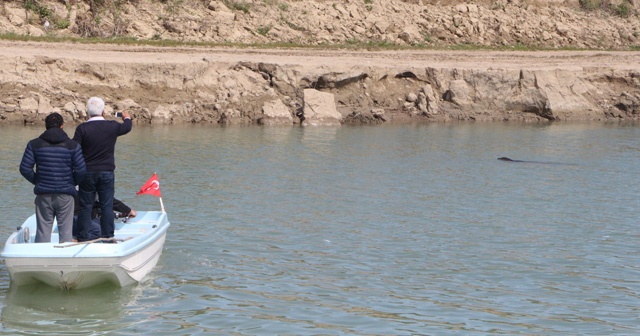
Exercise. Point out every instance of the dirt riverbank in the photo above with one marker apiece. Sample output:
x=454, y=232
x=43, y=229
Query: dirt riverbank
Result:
x=221, y=85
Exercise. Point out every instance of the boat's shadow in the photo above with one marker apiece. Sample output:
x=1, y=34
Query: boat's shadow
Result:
x=39, y=307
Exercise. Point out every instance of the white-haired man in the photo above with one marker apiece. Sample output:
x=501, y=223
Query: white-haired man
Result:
x=97, y=137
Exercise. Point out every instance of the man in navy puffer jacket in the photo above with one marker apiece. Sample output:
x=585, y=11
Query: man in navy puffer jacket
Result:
x=59, y=167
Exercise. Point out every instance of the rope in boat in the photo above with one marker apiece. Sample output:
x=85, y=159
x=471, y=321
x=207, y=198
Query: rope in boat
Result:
x=98, y=240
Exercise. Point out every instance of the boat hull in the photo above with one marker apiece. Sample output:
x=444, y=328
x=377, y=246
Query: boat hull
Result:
x=83, y=265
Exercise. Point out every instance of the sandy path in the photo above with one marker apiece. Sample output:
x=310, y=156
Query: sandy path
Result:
x=335, y=60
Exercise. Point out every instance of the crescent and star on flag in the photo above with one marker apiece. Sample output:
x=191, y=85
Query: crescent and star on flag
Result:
x=151, y=187
x=155, y=185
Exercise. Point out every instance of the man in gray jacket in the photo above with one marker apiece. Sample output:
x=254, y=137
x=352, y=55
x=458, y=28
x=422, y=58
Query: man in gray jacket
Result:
x=59, y=167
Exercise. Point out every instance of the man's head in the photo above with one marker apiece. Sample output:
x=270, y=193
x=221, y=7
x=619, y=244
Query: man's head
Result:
x=95, y=107
x=53, y=120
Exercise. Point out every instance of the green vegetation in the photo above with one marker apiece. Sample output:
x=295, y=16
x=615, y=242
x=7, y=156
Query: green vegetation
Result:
x=35, y=7
x=238, y=5
x=292, y=25
x=352, y=44
x=283, y=7
x=623, y=9
x=173, y=6
x=590, y=5
x=62, y=24
x=264, y=30
x=368, y=5
x=45, y=13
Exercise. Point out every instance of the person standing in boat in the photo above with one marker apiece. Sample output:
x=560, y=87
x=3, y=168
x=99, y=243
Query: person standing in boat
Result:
x=59, y=167
x=97, y=137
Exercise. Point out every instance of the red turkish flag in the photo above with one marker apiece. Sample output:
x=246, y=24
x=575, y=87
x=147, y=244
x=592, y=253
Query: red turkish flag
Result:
x=151, y=187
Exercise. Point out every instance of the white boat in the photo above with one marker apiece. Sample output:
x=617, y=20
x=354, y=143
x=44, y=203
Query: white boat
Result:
x=140, y=241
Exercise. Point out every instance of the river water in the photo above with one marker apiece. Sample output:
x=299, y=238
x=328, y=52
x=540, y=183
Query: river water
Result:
x=386, y=230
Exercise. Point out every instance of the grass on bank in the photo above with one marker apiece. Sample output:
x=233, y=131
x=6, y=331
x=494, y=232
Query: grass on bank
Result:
x=349, y=45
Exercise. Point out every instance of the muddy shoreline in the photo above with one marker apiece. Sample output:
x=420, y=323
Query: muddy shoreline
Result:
x=260, y=86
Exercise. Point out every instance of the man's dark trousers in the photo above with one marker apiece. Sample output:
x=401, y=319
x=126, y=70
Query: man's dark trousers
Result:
x=103, y=184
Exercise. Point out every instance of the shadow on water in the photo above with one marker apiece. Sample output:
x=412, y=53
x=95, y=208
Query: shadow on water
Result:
x=43, y=309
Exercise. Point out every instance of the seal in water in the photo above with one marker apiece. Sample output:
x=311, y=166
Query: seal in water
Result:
x=540, y=162
x=508, y=159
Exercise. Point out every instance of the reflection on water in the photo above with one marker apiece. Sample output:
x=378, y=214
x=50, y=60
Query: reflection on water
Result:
x=42, y=309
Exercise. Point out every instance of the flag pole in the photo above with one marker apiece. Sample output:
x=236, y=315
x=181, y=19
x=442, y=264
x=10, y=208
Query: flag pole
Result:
x=160, y=197
x=161, y=204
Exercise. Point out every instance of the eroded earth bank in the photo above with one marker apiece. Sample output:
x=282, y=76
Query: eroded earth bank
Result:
x=254, y=86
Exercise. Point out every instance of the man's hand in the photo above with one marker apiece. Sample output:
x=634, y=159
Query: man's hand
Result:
x=126, y=115
x=132, y=213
